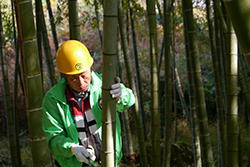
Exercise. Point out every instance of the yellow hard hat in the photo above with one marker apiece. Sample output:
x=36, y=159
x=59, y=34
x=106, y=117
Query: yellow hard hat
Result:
x=73, y=58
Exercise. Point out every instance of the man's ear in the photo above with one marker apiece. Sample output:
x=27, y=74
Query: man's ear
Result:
x=64, y=76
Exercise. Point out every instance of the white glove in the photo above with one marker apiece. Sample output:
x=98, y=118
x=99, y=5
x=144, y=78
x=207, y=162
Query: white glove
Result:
x=116, y=90
x=81, y=153
x=91, y=151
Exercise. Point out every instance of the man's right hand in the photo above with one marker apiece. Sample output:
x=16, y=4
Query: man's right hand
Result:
x=81, y=153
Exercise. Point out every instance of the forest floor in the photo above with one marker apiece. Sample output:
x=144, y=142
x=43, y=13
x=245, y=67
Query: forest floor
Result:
x=181, y=149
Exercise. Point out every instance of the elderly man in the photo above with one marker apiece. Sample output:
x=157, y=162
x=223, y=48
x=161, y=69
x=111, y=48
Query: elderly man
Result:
x=72, y=110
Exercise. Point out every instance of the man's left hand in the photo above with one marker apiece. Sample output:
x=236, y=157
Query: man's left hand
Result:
x=116, y=90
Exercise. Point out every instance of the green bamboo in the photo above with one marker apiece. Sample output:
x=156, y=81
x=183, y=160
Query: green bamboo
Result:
x=219, y=52
x=39, y=36
x=46, y=46
x=240, y=155
x=129, y=140
x=181, y=96
x=161, y=93
x=174, y=75
x=155, y=130
x=52, y=24
x=7, y=99
x=32, y=82
x=218, y=89
x=223, y=65
x=178, y=83
x=159, y=10
x=220, y=115
x=168, y=87
x=15, y=101
x=219, y=13
x=162, y=43
x=137, y=71
x=109, y=74
x=129, y=70
x=15, y=108
x=74, y=27
x=232, y=99
x=191, y=90
x=238, y=12
x=97, y=21
x=206, y=147
x=222, y=17
x=125, y=117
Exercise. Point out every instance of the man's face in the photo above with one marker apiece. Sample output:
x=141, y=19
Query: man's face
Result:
x=79, y=82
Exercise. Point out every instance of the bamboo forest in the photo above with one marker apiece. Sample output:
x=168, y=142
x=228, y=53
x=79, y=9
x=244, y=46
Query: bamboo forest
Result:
x=186, y=61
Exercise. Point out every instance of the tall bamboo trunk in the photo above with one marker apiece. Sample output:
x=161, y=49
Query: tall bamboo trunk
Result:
x=52, y=24
x=181, y=96
x=125, y=116
x=191, y=90
x=221, y=15
x=174, y=76
x=128, y=134
x=168, y=87
x=74, y=27
x=238, y=12
x=232, y=99
x=97, y=20
x=161, y=91
x=15, y=100
x=109, y=74
x=32, y=82
x=220, y=113
x=177, y=78
x=155, y=130
x=141, y=139
x=137, y=71
x=7, y=99
x=218, y=89
x=45, y=42
x=39, y=35
x=206, y=147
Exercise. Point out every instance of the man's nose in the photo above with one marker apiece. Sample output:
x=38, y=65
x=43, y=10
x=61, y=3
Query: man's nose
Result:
x=80, y=79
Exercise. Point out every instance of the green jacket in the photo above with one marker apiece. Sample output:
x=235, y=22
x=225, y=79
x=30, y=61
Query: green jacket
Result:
x=58, y=126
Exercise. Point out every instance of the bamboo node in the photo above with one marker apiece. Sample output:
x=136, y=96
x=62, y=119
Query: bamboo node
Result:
x=35, y=109
x=37, y=139
x=29, y=40
x=108, y=152
x=109, y=122
x=33, y=75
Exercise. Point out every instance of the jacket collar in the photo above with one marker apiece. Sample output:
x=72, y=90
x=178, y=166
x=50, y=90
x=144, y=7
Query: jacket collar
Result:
x=96, y=82
x=69, y=95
